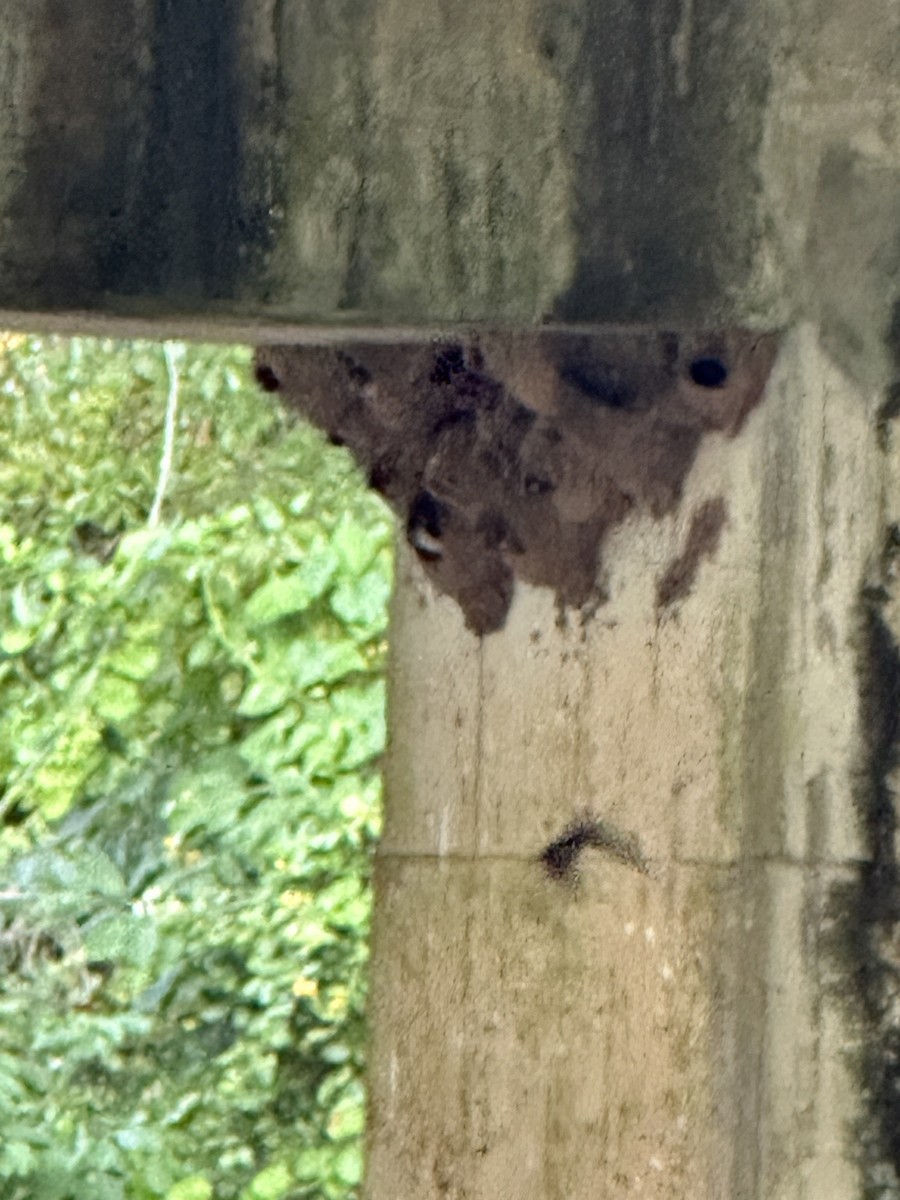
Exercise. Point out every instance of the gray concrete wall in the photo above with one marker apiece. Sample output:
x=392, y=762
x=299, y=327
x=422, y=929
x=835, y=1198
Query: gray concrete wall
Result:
x=413, y=163
x=699, y=1030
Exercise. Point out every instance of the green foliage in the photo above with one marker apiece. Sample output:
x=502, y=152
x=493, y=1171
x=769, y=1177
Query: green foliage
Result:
x=189, y=787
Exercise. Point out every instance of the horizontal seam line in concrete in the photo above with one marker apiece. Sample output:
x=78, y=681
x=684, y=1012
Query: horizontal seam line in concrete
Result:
x=272, y=329
x=783, y=860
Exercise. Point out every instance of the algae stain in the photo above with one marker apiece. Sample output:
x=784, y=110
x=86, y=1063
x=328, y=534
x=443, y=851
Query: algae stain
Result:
x=864, y=933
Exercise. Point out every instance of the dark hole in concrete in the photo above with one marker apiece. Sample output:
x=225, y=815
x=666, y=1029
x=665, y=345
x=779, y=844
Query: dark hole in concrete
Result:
x=425, y=528
x=380, y=477
x=537, y=487
x=449, y=362
x=709, y=372
x=266, y=378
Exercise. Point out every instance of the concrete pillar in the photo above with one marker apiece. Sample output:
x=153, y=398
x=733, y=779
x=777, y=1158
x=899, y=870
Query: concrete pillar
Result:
x=417, y=164
x=699, y=1002
x=614, y=292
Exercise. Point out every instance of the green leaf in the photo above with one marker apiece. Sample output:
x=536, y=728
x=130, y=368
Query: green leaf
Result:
x=270, y=1184
x=348, y=1165
x=280, y=597
x=16, y=641
x=310, y=661
x=137, y=659
x=191, y=1187
x=286, y=595
x=16, y=1158
x=116, y=699
x=24, y=609
x=262, y=697
x=98, y=873
x=363, y=601
x=126, y=939
x=207, y=795
x=86, y=872
x=268, y=514
x=353, y=544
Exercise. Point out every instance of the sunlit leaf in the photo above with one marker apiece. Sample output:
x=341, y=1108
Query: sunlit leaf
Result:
x=353, y=544
x=363, y=601
x=263, y=696
x=348, y=1165
x=270, y=1184
x=15, y=641
x=280, y=597
x=192, y=1187
x=115, y=699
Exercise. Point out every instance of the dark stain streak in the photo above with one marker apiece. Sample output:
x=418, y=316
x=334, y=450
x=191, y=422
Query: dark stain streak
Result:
x=561, y=857
x=887, y=414
x=192, y=222
x=864, y=914
x=703, y=540
x=890, y=409
x=659, y=232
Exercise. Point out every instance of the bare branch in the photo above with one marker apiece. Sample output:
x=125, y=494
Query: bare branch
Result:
x=173, y=352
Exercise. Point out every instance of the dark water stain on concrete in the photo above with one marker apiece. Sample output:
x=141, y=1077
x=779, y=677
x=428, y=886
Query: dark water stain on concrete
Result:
x=702, y=542
x=144, y=124
x=187, y=239
x=561, y=858
x=864, y=914
x=514, y=456
x=666, y=193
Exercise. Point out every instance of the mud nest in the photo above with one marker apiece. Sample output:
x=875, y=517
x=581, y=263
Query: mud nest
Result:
x=514, y=456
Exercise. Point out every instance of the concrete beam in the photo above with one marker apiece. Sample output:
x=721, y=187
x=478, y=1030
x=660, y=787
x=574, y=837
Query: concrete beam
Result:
x=410, y=164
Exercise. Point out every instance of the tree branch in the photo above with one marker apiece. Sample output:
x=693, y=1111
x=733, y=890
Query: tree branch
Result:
x=173, y=352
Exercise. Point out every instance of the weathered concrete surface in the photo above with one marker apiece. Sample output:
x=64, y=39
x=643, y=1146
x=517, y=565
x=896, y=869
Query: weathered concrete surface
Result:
x=414, y=163
x=705, y=1030
x=725, y=1026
